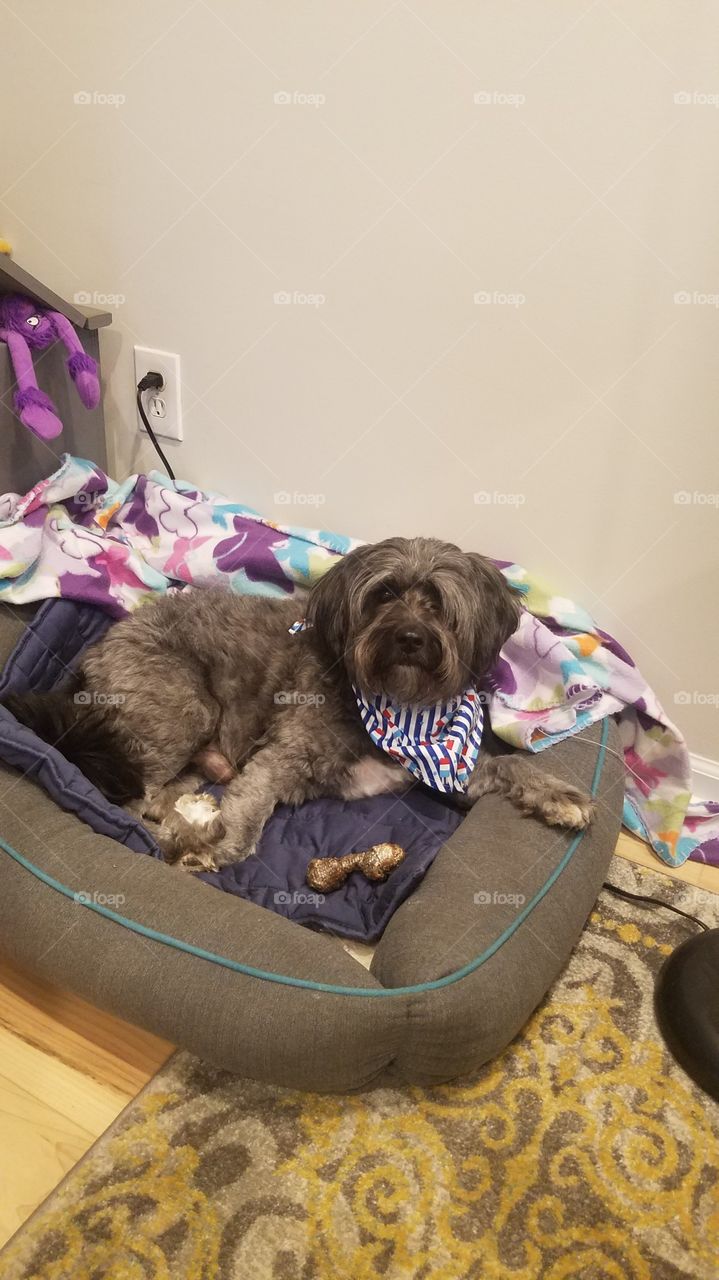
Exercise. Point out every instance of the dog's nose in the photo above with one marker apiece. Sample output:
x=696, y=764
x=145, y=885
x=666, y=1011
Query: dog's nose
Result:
x=409, y=640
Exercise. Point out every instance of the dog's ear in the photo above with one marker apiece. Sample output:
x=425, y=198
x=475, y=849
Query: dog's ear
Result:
x=327, y=610
x=498, y=610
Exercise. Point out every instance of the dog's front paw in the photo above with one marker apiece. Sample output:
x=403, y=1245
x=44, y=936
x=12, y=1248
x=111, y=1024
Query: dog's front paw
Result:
x=226, y=853
x=200, y=858
x=565, y=806
x=202, y=811
x=153, y=808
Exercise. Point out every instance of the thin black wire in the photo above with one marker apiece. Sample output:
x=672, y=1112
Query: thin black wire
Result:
x=655, y=902
x=151, y=434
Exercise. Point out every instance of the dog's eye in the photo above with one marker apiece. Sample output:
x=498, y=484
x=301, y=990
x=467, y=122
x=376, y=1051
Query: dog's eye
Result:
x=432, y=599
x=383, y=595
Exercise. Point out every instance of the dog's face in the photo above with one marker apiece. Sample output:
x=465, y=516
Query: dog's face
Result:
x=414, y=618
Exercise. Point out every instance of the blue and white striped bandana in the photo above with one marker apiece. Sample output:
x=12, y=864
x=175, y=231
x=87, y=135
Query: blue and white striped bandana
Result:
x=439, y=745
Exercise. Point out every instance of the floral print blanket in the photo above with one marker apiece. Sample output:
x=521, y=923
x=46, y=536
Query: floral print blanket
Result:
x=79, y=535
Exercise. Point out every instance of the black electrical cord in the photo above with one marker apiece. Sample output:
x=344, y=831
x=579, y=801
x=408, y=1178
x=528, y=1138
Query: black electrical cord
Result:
x=655, y=902
x=156, y=381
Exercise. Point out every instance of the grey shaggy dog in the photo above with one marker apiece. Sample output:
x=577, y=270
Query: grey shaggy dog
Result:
x=215, y=680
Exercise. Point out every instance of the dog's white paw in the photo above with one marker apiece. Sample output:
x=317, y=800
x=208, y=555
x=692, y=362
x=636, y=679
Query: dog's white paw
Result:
x=201, y=810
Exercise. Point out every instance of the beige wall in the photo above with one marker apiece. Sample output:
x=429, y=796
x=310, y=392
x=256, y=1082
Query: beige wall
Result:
x=580, y=186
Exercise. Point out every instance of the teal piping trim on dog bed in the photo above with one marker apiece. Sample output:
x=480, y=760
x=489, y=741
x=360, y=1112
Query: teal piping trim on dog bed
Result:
x=155, y=936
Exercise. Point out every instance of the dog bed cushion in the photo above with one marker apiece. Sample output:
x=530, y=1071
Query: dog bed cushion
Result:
x=274, y=877
x=460, y=967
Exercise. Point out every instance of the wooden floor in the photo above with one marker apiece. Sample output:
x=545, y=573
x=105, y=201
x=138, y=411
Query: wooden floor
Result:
x=698, y=873
x=67, y=1070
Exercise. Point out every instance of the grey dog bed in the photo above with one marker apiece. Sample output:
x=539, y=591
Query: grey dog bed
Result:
x=461, y=965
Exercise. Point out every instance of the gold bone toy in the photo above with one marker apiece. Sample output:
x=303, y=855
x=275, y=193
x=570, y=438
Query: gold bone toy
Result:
x=326, y=874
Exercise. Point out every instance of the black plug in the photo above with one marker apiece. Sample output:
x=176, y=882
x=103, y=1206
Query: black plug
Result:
x=156, y=382
x=151, y=379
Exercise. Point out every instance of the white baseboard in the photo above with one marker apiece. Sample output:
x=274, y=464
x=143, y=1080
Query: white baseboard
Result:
x=705, y=777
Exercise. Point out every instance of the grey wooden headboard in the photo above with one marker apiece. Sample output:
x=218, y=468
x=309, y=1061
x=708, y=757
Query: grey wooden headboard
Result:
x=23, y=458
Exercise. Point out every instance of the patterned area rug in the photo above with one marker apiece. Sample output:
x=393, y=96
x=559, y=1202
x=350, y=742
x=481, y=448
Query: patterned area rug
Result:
x=582, y=1151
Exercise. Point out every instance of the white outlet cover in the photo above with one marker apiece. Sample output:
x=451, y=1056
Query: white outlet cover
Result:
x=164, y=362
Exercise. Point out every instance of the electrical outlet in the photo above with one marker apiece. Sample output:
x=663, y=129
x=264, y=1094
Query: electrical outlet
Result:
x=164, y=407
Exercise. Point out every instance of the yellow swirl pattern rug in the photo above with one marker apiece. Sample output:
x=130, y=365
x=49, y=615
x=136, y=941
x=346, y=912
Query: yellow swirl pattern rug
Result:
x=583, y=1151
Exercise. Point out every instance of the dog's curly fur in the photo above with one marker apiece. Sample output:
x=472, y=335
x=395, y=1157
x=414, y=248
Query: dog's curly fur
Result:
x=209, y=677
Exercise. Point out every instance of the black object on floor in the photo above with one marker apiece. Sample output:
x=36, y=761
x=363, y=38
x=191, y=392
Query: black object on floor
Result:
x=686, y=1003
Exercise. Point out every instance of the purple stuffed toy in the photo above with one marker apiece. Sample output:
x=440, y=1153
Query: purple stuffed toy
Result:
x=25, y=328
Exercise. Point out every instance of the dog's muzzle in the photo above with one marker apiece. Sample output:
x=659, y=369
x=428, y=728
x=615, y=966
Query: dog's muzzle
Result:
x=413, y=645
